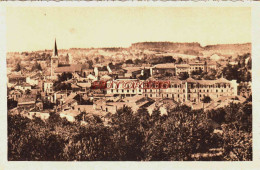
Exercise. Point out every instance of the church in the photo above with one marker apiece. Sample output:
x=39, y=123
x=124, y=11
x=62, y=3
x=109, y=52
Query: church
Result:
x=62, y=64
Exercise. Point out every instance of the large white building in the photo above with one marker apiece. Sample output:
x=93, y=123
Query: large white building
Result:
x=179, y=90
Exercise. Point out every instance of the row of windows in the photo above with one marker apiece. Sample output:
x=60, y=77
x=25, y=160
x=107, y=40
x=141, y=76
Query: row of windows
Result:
x=209, y=86
x=194, y=91
x=157, y=90
x=164, y=95
x=197, y=86
x=123, y=91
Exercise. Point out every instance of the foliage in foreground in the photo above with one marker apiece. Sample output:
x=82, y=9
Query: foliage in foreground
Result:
x=133, y=136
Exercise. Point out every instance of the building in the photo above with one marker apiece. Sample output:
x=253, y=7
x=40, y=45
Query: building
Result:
x=123, y=87
x=48, y=87
x=195, y=66
x=58, y=67
x=15, y=94
x=13, y=79
x=182, y=68
x=32, y=81
x=164, y=68
x=54, y=60
x=196, y=90
x=23, y=87
x=189, y=90
x=26, y=103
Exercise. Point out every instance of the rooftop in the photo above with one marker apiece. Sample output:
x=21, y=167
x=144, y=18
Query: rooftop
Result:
x=165, y=65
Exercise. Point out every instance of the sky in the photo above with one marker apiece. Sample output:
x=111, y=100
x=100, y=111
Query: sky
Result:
x=35, y=28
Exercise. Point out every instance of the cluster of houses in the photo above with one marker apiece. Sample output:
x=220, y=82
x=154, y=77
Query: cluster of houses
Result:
x=36, y=95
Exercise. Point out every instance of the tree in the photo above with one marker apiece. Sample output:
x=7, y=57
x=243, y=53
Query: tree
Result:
x=181, y=134
x=127, y=136
x=206, y=99
x=183, y=75
x=130, y=136
x=28, y=92
x=129, y=61
x=11, y=104
x=211, y=75
x=237, y=144
x=17, y=67
x=36, y=66
x=137, y=61
x=64, y=77
x=179, y=60
x=90, y=63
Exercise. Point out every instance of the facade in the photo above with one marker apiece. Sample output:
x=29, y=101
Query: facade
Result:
x=26, y=103
x=23, y=87
x=195, y=66
x=180, y=90
x=182, y=68
x=48, y=87
x=164, y=68
x=32, y=81
x=16, y=79
x=122, y=87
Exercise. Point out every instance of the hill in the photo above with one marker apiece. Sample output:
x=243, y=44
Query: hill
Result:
x=195, y=48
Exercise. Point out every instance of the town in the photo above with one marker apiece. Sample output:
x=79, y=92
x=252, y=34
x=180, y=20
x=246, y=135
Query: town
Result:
x=140, y=87
x=135, y=83
x=56, y=83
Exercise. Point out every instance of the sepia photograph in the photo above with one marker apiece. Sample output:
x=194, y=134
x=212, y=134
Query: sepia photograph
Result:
x=129, y=83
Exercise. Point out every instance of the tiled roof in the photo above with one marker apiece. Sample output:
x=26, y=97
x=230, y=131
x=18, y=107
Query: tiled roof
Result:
x=222, y=80
x=84, y=85
x=132, y=69
x=182, y=65
x=191, y=80
x=70, y=98
x=71, y=68
x=165, y=65
x=106, y=77
x=74, y=86
x=26, y=100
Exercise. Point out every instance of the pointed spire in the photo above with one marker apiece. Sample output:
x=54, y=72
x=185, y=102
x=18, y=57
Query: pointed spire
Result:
x=55, y=50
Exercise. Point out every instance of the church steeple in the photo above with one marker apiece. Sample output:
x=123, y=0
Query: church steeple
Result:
x=54, y=59
x=55, y=50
